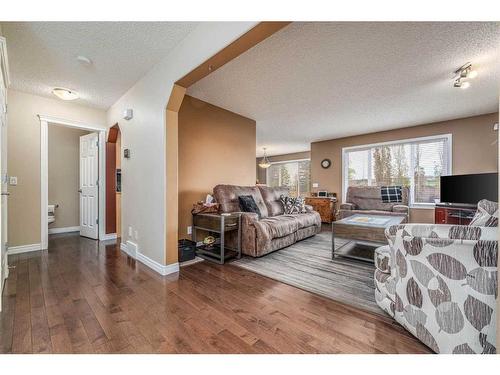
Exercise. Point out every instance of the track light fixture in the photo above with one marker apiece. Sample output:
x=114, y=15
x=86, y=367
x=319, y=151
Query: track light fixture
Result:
x=462, y=74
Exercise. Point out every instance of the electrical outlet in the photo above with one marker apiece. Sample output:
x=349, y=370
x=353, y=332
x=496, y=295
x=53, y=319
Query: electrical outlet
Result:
x=315, y=184
x=13, y=180
x=190, y=230
x=130, y=231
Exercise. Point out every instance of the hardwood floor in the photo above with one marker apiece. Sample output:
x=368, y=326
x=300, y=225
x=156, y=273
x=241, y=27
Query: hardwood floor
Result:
x=85, y=297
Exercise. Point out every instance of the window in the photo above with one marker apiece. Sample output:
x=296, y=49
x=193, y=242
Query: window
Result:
x=295, y=174
x=417, y=163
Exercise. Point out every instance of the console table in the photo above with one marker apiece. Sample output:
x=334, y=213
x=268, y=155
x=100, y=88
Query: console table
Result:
x=450, y=214
x=326, y=206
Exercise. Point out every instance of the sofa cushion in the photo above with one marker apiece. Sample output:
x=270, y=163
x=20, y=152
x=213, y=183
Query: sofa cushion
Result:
x=293, y=205
x=279, y=226
x=391, y=194
x=247, y=204
x=271, y=196
x=227, y=197
x=308, y=219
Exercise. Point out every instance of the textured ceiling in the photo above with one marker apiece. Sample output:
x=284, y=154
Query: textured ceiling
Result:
x=317, y=81
x=42, y=55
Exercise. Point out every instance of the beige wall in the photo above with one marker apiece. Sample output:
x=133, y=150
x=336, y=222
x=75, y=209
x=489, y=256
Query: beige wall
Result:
x=474, y=151
x=64, y=178
x=261, y=173
x=24, y=157
x=215, y=147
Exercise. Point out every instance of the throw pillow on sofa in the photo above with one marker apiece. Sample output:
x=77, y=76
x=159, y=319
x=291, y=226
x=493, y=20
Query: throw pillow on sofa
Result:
x=486, y=215
x=247, y=204
x=293, y=205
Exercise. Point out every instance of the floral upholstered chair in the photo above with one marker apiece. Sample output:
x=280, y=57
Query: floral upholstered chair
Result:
x=440, y=282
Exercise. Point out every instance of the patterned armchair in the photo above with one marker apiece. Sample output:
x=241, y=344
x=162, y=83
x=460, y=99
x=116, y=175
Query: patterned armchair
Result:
x=440, y=283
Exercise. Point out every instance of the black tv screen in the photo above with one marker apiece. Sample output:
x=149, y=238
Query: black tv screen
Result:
x=469, y=188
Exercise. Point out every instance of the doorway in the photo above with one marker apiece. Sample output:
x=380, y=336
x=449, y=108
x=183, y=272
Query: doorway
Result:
x=91, y=180
x=69, y=164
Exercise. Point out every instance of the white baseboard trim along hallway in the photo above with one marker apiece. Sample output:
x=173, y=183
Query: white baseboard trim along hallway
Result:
x=63, y=230
x=24, y=248
x=131, y=249
x=109, y=236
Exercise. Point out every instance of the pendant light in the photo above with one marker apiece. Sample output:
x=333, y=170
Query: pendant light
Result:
x=264, y=163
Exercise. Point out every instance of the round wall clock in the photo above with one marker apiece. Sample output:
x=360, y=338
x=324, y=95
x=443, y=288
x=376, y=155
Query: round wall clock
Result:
x=325, y=163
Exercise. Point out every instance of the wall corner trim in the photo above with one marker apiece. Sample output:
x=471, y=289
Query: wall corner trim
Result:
x=131, y=250
x=24, y=248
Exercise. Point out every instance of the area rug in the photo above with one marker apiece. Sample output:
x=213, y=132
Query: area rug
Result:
x=308, y=265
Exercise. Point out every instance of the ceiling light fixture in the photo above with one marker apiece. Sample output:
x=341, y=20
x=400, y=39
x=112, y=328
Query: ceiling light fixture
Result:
x=265, y=163
x=84, y=60
x=65, y=94
x=462, y=74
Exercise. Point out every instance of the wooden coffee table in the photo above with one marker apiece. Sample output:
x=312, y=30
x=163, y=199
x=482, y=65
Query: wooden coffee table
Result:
x=362, y=231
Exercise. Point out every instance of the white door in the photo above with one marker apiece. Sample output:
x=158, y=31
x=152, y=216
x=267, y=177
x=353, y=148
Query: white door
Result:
x=4, y=186
x=89, y=185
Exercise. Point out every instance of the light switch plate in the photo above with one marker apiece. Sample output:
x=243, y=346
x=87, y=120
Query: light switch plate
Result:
x=315, y=184
x=190, y=230
x=13, y=180
x=130, y=231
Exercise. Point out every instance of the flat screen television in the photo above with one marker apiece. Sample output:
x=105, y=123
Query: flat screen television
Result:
x=469, y=189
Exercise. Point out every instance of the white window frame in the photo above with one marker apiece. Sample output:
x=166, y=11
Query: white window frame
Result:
x=447, y=172
x=288, y=161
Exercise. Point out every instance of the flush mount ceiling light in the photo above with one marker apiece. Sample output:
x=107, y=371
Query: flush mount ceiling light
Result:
x=462, y=75
x=84, y=60
x=265, y=163
x=65, y=94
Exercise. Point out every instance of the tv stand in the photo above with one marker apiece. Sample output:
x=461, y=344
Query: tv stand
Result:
x=452, y=213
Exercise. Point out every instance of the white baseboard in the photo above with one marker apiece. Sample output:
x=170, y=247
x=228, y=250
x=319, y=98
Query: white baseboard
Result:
x=24, y=248
x=109, y=236
x=63, y=230
x=132, y=250
x=128, y=249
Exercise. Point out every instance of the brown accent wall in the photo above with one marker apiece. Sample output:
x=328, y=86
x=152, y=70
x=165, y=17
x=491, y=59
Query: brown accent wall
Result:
x=261, y=173
x=113, y=198
x=474, y=151
x=110, y=187
x=216, y=146
x=118, y=155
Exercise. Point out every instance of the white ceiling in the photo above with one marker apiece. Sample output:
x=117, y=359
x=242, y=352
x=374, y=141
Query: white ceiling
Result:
x=42, y=55
x=317, y=81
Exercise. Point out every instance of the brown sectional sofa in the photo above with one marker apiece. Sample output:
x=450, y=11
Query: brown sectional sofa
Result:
x=367, y=200
x=273, y=230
